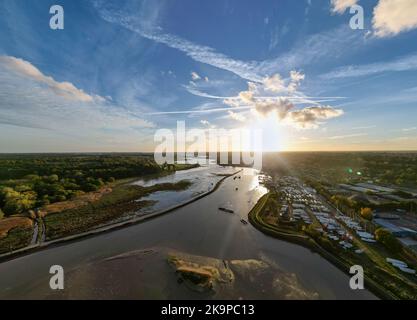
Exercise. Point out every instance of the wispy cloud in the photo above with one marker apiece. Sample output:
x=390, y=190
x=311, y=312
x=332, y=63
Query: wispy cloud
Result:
x=330, y=44
x=200, y=53
x=405, y=138
x=63, y=89
x=364, y=127
x=297, y=98
x=196, y=111
x=32, y=100
x=326, y=45
x=273, y=93
x=347, y=136
x=407, y=63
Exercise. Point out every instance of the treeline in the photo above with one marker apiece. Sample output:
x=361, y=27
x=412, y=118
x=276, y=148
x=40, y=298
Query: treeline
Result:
x=69, y=166
x=393, y=168
x=386, y=168
x=32, y=181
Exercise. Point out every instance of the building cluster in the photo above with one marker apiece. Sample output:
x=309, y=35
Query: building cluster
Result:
x=304, y=204
x=401, y=225
x=405, y=235
x=401, y=265
x=375, y=193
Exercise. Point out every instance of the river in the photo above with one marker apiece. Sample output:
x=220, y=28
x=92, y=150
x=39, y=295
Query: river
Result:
x=197, y=229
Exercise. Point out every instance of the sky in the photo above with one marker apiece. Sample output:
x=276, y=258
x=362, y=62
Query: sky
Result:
x=121, y=70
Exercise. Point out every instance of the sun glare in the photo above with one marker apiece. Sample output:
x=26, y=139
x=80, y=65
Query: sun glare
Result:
x=274, y=136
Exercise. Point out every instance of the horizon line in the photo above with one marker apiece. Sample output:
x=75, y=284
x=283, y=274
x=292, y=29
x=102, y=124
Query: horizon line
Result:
x=151, y=152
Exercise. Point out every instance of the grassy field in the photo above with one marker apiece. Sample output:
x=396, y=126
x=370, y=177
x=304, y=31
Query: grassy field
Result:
x=84, y=213
x=120, y=202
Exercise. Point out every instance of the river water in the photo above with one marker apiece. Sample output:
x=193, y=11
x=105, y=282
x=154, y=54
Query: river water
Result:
x=196, y=229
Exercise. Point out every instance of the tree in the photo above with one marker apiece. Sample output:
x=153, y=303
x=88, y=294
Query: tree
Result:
x=17, y=202
x=32, y=177
x=53, y=178
x=367, y=213
x=90, y=187
x=1, y=214
x=23, y=188
x=388, y=240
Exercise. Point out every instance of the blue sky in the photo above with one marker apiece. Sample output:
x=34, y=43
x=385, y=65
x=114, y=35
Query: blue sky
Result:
x=120, y=70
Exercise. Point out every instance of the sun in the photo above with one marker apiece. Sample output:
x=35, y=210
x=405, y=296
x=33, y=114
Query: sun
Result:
x=274, y=137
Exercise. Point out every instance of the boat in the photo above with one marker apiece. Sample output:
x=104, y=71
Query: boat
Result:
x=244, y=221
x=394, y=261
x=226, y=210
x=408, y=270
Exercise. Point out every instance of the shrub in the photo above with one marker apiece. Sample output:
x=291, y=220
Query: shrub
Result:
x=367, y=213
x=312, y=232
x=388, y=240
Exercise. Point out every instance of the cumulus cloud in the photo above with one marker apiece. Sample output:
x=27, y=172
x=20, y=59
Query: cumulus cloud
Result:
x=246, y=96
x=296, y=78
x=307, y=118
x=195, y=76
x=63, y=89
x=392, y=17
x=280, y=107
x=283, y=107
x=274, y=83
x=236, y=116
x=340, y=6
x=311, y=117
x=207, y=124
